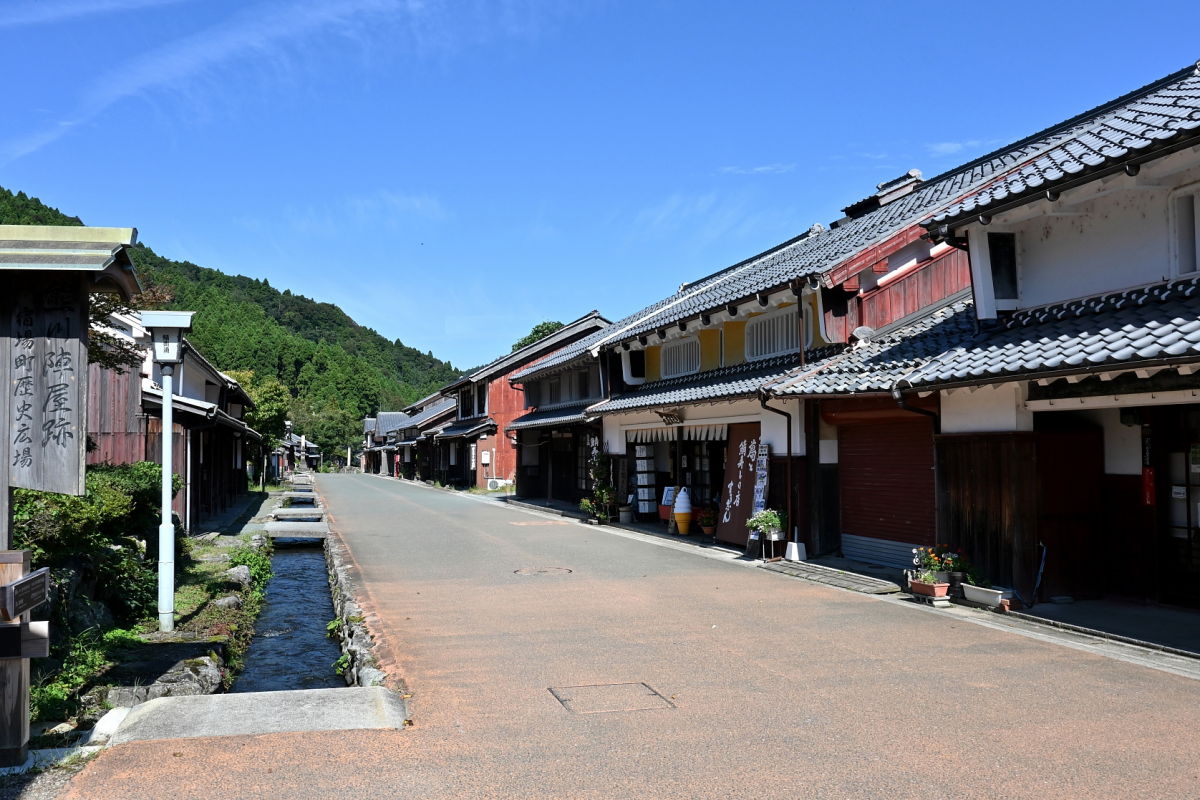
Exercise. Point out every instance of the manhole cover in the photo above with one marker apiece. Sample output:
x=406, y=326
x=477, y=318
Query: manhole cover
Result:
x=604, y=698
x=542, y=571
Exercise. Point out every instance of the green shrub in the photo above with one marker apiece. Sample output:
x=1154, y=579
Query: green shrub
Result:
x=108, y=535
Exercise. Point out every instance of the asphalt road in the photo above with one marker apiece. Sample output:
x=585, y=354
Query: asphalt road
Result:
x=702, y=679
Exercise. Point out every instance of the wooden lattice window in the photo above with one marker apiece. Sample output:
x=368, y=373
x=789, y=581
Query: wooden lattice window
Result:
x=681, y=358
x=772, y=334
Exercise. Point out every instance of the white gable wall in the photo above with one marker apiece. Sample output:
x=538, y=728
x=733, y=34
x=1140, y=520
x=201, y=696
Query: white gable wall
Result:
x=1107, y=236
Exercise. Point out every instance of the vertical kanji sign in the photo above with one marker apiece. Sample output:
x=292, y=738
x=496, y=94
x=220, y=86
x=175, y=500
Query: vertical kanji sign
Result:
x=737, y=493
x=46, y=351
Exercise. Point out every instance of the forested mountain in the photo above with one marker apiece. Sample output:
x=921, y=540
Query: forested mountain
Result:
x=336, y=371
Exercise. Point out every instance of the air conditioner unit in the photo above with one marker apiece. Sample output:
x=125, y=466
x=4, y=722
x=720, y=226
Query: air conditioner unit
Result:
x=496, y=483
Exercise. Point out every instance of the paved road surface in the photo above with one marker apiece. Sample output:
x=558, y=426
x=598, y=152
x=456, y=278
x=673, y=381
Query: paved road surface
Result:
x=766, y=686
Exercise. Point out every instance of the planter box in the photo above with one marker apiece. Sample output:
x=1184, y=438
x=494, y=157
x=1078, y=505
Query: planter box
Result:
x=929, y=589
x=977, y=594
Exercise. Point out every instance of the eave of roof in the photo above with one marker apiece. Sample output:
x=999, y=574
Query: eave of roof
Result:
x=557, y=339
x=544, y=418
x=874, y=366
x=102, y=252
x=1149, y=326
x=739, y=380
x=1146, y=123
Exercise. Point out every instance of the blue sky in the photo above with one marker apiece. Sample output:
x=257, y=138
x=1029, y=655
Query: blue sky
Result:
x=451, y=173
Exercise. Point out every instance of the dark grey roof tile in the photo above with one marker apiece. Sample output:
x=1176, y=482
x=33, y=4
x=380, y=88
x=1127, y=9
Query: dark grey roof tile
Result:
x=1052, y=339
x=1126, y=127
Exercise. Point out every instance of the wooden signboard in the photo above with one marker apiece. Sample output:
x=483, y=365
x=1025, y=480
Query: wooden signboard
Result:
x=44, y=345
x=25, y=594
x=737, y=490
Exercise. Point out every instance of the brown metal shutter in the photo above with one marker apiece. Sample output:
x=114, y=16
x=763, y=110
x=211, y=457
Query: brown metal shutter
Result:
x=886, y=476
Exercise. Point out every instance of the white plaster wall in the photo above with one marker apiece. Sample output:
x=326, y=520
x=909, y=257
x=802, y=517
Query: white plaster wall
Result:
x=1122, y=443
x=1118, y=241
x=774, y=427
x=992, y=408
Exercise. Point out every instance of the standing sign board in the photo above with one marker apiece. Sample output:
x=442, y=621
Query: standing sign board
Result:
x=45, y=349
x=760, y=477
x=737, y=491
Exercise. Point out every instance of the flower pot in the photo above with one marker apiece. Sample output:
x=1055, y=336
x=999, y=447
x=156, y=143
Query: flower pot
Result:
x=708, y=530
x=978, y=594
x=625, y=514
x=929, y=589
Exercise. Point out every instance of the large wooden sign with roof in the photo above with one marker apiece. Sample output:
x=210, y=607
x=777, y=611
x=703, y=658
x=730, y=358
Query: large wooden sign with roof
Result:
x=48, y=274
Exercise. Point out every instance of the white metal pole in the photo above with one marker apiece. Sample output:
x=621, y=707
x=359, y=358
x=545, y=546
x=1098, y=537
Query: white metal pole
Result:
x=166, y=530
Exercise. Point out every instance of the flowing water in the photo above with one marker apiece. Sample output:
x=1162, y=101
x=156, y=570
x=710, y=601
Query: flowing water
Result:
x=290, y=649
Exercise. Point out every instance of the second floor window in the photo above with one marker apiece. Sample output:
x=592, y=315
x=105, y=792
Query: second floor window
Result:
x=1186, y=208
x=681, y=358
x=1002, y=248
x=772, y=334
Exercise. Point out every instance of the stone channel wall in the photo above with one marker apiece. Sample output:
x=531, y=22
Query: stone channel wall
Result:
x=361, y=665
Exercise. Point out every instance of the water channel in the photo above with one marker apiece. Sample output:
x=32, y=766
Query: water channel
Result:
x=290, y=649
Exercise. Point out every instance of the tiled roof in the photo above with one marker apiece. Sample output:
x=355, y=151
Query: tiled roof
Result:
x=560, y=358
x=1123, y=329
x=569, y=415
x=548, y=343
x=388, y=421
x=467, y=428
x=738, y=380
x=432, y=412
x=368, y=424
x=875, y=365
x=1127, y=129
x=1164, y=108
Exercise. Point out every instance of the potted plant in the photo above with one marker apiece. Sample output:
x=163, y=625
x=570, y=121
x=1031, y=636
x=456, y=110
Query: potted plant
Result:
x=768, y=523
x=706, y=518
x=929, y=577
x=978, y=590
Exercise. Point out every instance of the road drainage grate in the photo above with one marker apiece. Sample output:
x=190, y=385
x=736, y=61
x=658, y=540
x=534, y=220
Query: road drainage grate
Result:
x=604, y=698
x=542, y=571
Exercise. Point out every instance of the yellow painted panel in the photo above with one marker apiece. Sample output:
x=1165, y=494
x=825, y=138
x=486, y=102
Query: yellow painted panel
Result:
x=710, y=348
x=653, y=363
x=812, y=317
x=735, y=342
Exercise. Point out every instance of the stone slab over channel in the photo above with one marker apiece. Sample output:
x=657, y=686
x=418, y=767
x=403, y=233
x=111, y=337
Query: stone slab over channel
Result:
x=309, y=496
x=298, y=513
x=254, y=713
x=287, y=528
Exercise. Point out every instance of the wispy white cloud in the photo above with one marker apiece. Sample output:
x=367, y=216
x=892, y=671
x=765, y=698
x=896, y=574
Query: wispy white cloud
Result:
x=708, y=217
x=382, y=209
x=40, y=12
x=954, y=148
x=763, y=169
x=274, y=33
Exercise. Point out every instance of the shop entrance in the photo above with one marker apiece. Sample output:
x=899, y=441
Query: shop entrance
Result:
x=1172, y=442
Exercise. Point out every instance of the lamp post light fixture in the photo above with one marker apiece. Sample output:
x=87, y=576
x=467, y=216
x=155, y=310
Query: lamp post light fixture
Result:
x=166, y=329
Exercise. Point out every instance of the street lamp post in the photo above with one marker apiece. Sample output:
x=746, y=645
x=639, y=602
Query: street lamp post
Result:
x=166, y=329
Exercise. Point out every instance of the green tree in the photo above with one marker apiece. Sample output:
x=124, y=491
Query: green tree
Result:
x=539, y=332
x=271, y=402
